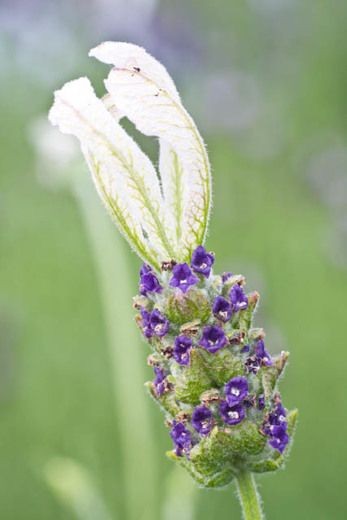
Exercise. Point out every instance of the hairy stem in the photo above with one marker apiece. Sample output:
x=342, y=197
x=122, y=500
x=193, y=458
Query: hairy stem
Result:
x=249, y=497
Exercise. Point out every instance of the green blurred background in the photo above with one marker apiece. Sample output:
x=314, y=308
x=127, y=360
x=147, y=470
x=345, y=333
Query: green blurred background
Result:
x=266, y=82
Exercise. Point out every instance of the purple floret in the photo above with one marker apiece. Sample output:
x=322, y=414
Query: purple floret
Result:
x=182, y=277
x=239, y=300
x=236, y=390
x=181, y=437
x=279, y=441
x=262, y=354
x=145, y=268
x=202, y=420
x=149, y=283
x=231, y=414
x=146, y=325
x=159, y=324
x=202, y=261
x=213, y=338
x=159, y=381
x=154, y=323
x=276, y=428
x=181, y=350
x=222, y=308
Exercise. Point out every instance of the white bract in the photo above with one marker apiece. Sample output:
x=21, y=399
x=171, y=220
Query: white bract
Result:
x=163, y=215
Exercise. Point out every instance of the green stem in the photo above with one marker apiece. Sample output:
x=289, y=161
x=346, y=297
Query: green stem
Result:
x=249, y=497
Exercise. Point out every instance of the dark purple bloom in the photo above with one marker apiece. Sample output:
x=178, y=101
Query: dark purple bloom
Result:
x=278, y=415
x=252, y=364
x=202, y=420
x=245, y=349
x=231, y=414
x=261, y=402
x=181, y=350
x=236, y=390
x=145, y=268
x=226, y=276
x=182, y=277
x=202, y=261
x=146, y=326
x=149, y=283
x=238, y=298
x=262, y=354
x=158, y=323
x=213, y=338
x=159, y=381
x=279, y=441
x=276, y=428
x=181, y=437
x=221, y=308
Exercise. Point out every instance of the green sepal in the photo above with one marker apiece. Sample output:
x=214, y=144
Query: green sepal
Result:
x=215, y=480
x=192, y=381
x=222, y=366
x=270, y=375
x=181, y=308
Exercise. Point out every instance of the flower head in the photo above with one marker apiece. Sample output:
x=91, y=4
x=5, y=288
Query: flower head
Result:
x=181, y=350
x=238, y=298
x=236, y=390
x=202, y=261
x=182, y=277
x=231, y=414
x=213, y=338
x=202, y=420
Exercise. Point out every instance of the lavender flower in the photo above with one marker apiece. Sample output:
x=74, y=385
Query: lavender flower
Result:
x=236, y=390
x=159, y=381
x=262, y=354
x=181, y=437
x=165, y=224
x=158, y=323
x=231, y=414
x=221, y=308
x=181, y=350
x=145, y=268
x=146, y=323
x=238, y=298
x=213, y=338
x=202, y=261
x=202, y=420
x=276, y=428
x=149, y=283
x=183, y=278
x=154, y=323
x=279, y=441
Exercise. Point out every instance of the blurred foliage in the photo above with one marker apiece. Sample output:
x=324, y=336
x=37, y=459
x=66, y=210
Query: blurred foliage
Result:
x=269, y=222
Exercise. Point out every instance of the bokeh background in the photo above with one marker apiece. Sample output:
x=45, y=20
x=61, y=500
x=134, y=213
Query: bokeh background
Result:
x=266, y=82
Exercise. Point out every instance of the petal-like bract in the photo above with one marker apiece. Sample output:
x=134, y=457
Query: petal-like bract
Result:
x=143, y=91
x=124, y=176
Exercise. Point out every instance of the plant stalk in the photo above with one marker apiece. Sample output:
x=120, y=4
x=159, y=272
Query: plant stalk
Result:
x=249, y=496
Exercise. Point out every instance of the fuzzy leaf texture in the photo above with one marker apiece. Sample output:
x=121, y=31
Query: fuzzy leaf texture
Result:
x=163, y=215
